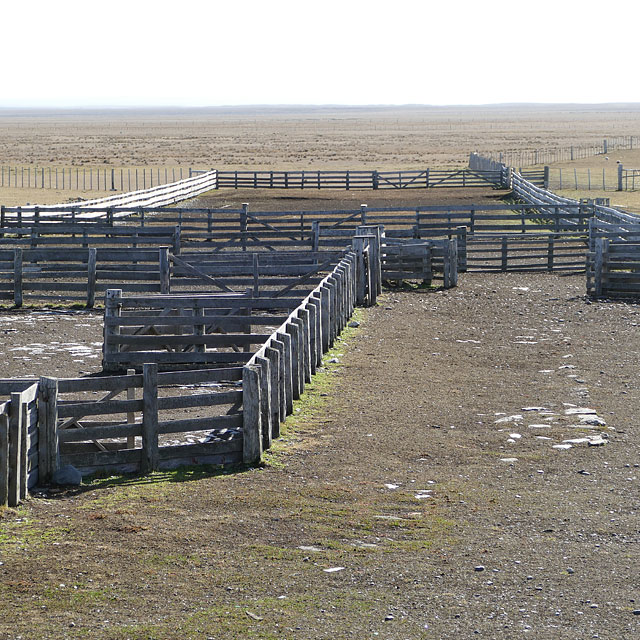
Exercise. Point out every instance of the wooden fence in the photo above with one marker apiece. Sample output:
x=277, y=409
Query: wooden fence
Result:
x=153, y=197
x=19, y=441
x=185, y=330
x=79, y=275
x=349, y=179
x=217, y=248
x=420, y=260
x=613, y=261
x=232, y=412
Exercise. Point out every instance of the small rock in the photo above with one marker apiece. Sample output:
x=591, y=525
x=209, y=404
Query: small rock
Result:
x=598, y=441
x=334, y=361
x=636, y=612
x=67, y=475
x=570, y=571
x=562, y=446
x=479, y=568
x=354, y=324
x=388, y=617
x=584, y=472
x=575, y=411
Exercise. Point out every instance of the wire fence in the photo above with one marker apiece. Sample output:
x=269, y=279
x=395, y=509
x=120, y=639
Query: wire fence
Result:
x=532, y=157
x=122, y=179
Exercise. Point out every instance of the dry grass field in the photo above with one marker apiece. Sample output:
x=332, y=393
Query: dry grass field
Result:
x=292, y=137
x=418, y=491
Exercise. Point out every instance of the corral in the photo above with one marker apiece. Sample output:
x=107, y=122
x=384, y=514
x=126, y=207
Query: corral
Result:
x=366, y=531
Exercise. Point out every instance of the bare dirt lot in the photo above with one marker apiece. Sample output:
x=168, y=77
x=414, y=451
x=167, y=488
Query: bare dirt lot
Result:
x=418, y=494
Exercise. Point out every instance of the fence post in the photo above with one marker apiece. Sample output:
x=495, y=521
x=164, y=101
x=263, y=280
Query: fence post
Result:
x=48, y=450
x=285, y=339
x=461, y=237
x=243, y=225
x=251, y=416
x=545, y=183
x=294, y=334
x=164, y=270
x=363, y=214
x=304, y=318
x=550, y=254
x=358, y=243
x=505, y=249
x=599, y=266
x=91, y=277
x=265, y=401
x=17, y=276
x=279, y=346
x=272, y=354
x=620, y=177
x=112, y=308
x=299, y=352
x=325, y=316
x=16, y=469
x=4, y=456
x=315, y=235
x=149, y=459
x=375, y=179
x=177, y=239
x=113, y=180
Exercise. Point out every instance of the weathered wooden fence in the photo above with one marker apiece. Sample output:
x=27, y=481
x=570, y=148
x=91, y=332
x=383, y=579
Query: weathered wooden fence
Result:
x=350, y=179
x=79, y=275
x=185, y=330
x=19, y=441
x=232, y=412
x=613, y=261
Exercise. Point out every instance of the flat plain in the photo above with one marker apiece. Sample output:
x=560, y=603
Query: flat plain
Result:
x=418, y=491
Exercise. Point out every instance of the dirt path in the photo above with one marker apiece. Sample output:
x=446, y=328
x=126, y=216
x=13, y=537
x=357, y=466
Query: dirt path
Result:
x=399, y=483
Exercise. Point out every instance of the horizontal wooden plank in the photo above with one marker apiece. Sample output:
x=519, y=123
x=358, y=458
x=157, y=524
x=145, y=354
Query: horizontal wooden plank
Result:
x=210, y=357
x=211, y=423
x=200, y=400
x=208, y=340
x=99, y=433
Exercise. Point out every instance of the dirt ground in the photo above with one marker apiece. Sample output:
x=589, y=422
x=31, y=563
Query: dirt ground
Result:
x=417, y=493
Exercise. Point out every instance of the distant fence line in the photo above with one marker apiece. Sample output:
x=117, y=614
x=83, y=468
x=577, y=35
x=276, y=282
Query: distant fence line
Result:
x=133, y=179
x=564, y=154
x=90, y=178
x=359, y=179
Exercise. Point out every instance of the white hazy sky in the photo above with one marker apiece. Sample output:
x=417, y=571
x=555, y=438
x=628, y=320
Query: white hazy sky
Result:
x=204, y=53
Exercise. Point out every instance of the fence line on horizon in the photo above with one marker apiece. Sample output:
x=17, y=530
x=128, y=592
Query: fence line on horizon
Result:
x=122, y=179
x=533, y=157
